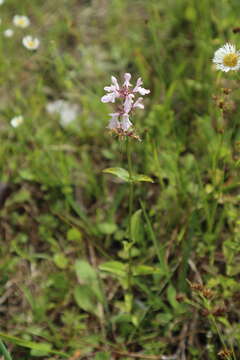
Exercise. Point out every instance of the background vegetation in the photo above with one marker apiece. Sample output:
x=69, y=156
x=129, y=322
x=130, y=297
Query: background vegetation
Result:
x=63, y=223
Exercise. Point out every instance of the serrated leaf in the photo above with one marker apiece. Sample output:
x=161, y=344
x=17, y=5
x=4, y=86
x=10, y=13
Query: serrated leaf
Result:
x=119, y=172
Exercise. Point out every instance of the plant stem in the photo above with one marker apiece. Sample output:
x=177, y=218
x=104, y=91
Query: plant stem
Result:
x=221, y=337
x=4, y=351
x=130, y=209
x=130, y=170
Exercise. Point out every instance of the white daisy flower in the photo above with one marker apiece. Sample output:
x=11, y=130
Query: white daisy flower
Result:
x=227, y=58
x=16, y=121
x=8, y=33
x=30, y=42
x=21, y=21
x=1, y=2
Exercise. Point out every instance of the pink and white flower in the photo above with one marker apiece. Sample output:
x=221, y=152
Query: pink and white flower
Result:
x=140, y=89
x=126, y=123
x=114, y=122
x=127, y=106
x=125, y=103
x=113, y=91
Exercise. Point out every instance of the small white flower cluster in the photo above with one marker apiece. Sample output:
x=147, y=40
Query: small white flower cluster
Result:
x=120, y=120
x=23, y=22
x=67, y=111
x=227, y=58
x=16, y=121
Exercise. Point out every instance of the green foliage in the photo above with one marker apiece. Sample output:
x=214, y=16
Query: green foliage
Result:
x=68, y=241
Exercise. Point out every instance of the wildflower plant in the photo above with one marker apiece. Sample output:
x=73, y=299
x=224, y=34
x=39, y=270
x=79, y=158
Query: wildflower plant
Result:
x=124, y=98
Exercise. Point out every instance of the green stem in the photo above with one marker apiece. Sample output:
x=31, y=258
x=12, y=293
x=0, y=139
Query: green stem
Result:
x=221, y=337
x=159, y=249
x=130, y=209
x=4, y=351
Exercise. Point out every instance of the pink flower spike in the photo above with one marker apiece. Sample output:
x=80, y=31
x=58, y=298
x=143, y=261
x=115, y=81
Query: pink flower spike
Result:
x=138, y=103
x=127, y=106
x=125, y=123
x=127, y=78
x=114, y=123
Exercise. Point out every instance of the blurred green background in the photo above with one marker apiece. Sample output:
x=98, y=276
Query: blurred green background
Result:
x=63, y=223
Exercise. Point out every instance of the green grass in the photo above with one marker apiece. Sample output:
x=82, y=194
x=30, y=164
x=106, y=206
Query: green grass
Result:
x=64, y=227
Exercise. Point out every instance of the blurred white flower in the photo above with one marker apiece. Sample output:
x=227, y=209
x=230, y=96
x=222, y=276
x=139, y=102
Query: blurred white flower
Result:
x=67, y=111
x=30, y=42
x=21, y=21
x=227, y=58
x=16, y=121
x=1, y=2
x=8, y=33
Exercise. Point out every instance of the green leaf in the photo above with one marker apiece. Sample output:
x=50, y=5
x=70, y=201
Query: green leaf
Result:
x=171, y=296
x=42, y=347
x=146, y=270
x=135, y=224
x=85, y=272
x=119, y=172
x=125, y=176
x=86, y=298
x=60, y=260
x=45, y=350
x=114, y=267
x=74, y=234
x=87, y=276
x=102, y=356
x=141, y=177
x=107, y=228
